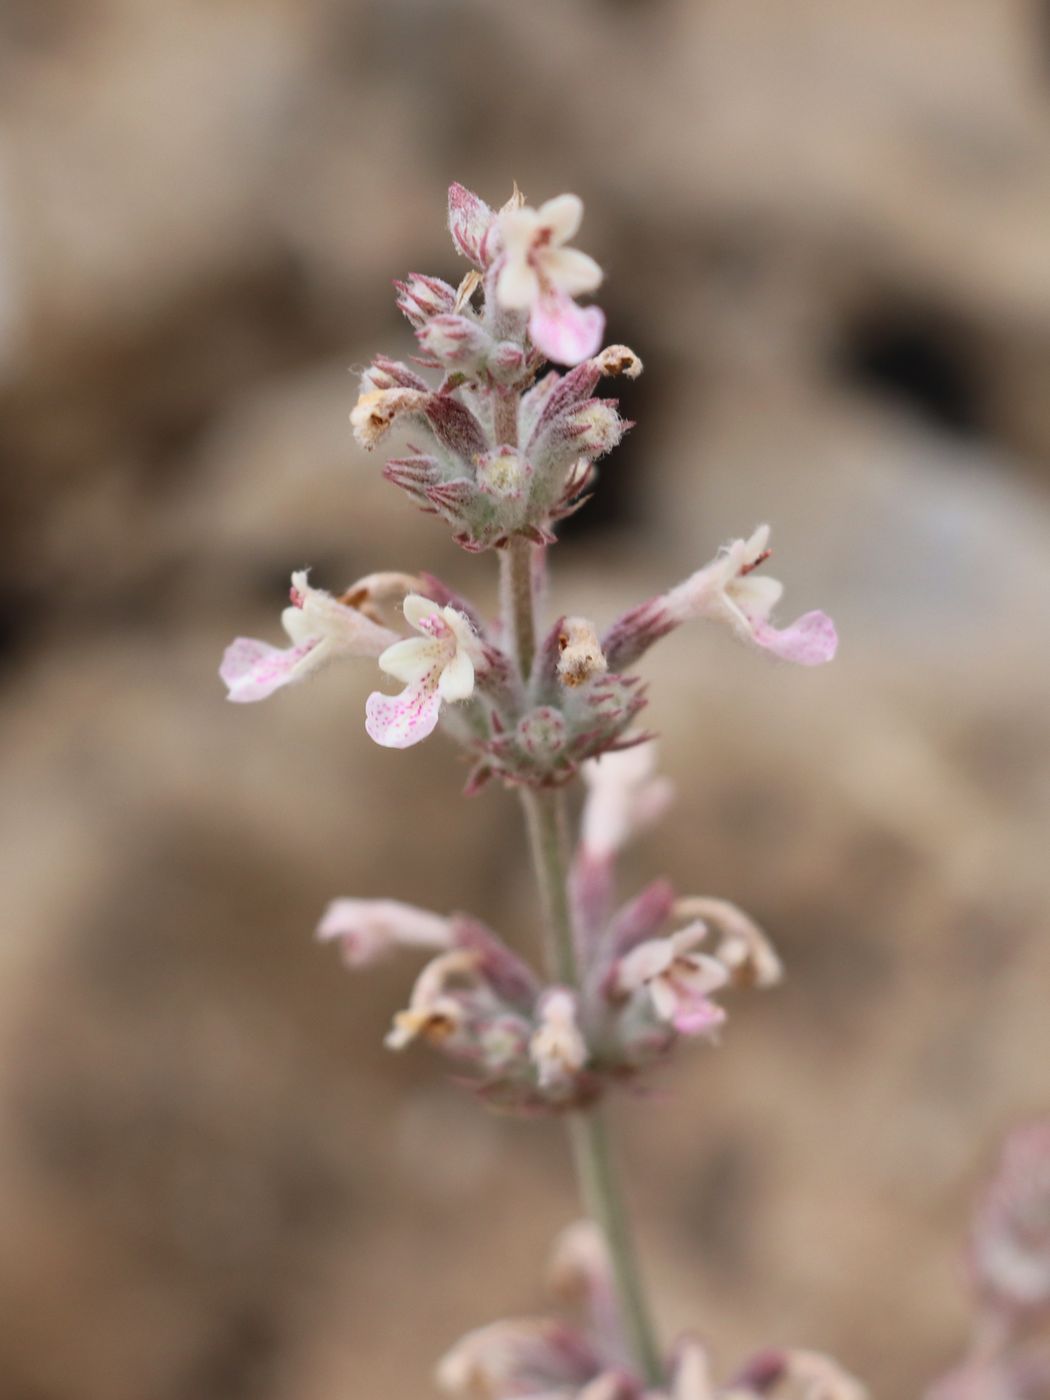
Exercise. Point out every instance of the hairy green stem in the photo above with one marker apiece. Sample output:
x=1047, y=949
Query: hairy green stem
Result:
x=600, y=1189
x=519, y=602
x=548, y=842
x=546, y=818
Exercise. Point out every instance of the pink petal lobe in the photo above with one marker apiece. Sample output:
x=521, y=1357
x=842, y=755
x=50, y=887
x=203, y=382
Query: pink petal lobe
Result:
x=810, y=641
x=564, y=332
x=252, y=670
x=399, y=721
x=699, y=1017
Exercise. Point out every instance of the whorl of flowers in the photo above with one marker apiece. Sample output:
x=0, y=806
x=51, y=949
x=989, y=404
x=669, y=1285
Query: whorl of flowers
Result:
x=502, y=448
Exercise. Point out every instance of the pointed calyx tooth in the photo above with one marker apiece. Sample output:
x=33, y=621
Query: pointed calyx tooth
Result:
x=466, y=289
x=581, y=654
x=615, y=360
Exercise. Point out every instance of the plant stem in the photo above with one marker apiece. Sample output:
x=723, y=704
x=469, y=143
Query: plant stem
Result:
x=546, y=819
x=519, y=605
x=600, y=1189
x=547, y=823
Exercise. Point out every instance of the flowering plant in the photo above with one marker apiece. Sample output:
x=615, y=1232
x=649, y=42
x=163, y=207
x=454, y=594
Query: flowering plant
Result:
x=502, y=452
x=1009, y=1354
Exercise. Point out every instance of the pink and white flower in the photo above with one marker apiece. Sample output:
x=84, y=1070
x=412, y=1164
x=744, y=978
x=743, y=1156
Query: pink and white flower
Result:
x=542, y=276
x=368, y=930
x=677, y=979
x=321, y=629
x=436, y=667
x=557, y=1048
x=624, y=796
x=728, y=590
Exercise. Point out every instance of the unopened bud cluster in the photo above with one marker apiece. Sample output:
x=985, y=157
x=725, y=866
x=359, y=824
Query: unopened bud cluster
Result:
x=650, y=970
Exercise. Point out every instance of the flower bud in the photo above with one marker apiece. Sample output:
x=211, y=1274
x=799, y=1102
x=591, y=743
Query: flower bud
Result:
x=542, y=733
x=420, y=298
x=458, y=342
x=506, y=361
x=598, y=428
x=504, y=474
x=470, y=223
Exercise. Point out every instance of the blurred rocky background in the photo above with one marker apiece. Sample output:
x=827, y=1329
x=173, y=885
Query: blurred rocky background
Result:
x=827, y=232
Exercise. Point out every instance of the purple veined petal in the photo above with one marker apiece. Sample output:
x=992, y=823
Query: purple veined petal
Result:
x=809, y=641
x=252, y=670
x=564, y=332
x=399, y=721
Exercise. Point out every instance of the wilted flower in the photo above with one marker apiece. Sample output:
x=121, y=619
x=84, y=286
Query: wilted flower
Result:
x=435, y=1011
x=742, y=948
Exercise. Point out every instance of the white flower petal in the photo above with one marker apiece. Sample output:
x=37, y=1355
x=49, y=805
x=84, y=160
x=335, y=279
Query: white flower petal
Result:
x=417, y=609
x=518, y=228
x=664, y=998
x=571, y=271
x=410, y=660
x=457, y=678
x=756, y=594
x=518, y=285
x=562, y=215
x=649, y=960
